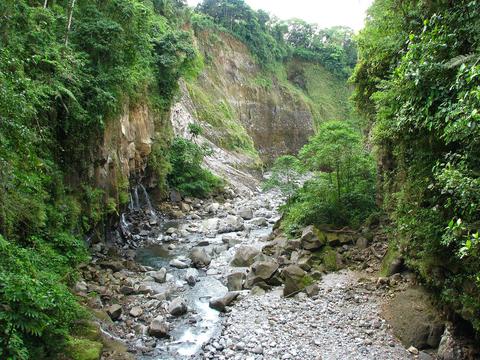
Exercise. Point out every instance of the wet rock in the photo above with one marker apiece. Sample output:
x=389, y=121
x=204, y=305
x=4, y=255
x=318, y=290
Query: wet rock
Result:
x=159, y=276
x=246, y=213
x=310, y=240
x=191, y=276
x=244, y=256
x=158, y=327
x=178, y=264
x=235, y=281
x=293, y=276
x=200, y=258
x=260, y=222
x=221, y=303
x=231, y=223
x=136, y=311
x=177, y=307
x=114, y=311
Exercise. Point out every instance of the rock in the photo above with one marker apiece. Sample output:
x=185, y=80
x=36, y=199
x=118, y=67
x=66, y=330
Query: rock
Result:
x=200, y=258
x=257, y=290
x=213, y=208
x=178, y=264
x=113, y=265
x=265, y=269
x=246, y=213
x=414, y=320
x=312, y=290
x=83, y=349
x=210, y=226
x=309, y=240
x=185, y=207
x=362, y=243
x=260, y=222
x=235, y=281
x=136, y=311
x=191, y=276
x=221, y=303
x=80, y=287
x=175, y=196
x=127, y=290
x=244, y=256
x=395, y=266
x=177, y=307
x=231, y=240
x=293, y=276
x=170, y=231
x=158, y=327
x=114, y=311
x=449, y=349
x=413, y=350
x=231, y=223
x=159, y=276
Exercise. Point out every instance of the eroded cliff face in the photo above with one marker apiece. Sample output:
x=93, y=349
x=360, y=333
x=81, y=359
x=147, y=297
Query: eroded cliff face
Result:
x=276, y=117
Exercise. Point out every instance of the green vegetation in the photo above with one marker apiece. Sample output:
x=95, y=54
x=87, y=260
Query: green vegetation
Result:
x=271, y=40
x=61, y=82
x=285, y=175
x=342, y=190
x=417, y=82
x=187, y=174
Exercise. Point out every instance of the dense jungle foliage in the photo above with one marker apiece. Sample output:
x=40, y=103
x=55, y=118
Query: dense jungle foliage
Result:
x=418, y=83
x=66, y=68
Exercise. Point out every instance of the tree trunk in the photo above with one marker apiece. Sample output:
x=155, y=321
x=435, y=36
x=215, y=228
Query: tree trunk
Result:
x=69, y=24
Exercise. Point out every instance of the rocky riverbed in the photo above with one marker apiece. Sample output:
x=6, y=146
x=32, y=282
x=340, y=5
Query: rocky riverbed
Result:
x=214, y=279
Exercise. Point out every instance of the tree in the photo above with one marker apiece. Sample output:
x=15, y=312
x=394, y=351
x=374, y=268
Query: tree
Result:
x=285, y=175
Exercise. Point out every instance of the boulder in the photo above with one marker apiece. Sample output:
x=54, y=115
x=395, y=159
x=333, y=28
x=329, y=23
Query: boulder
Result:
x=235, y=281
x=221, y=303
x=293, y=276
x=260, y=222
x=231, y=240
x=362, y=243
x=213, y=208
x=114, y=311
x=244, y=256
x=158, y=327
x=265, y=269
x=159, y=276
x=200, y=258
x=231, y=223
x=310, y=240
x=449, y=349
x=177, y=307
x=210, y=225
x=414, y=319
x=136, y=311
x=191, y=276
x=178, y=264
x=245, y=212
x=175, y=196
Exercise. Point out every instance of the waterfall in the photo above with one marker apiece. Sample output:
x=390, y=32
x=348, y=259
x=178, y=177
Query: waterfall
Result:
x=148, y=202
x=135, y=198
x=124, y=226
x=131, y=206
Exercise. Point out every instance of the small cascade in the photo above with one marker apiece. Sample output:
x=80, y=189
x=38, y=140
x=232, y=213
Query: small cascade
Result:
x=124, y=226
x=131, y=206
x=136, y=203
x=148, y=202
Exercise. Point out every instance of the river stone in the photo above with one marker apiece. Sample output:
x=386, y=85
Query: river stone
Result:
x=178, y=264
x=136, y=311
x=114, y=311
x=230, y=224
x=159, y=276
x=244, y=256
x=245, y=212
x=265, y=269
x=414, y=319
x=191, y=276
x=177, y=307
x=293, y=276
x=449, y=349
x=221, y=303
x=260, y=222
x=310, y=240
x=213, y=208
x=235, y=281
x=158, y=327
x=210, y=225
x=200, y=258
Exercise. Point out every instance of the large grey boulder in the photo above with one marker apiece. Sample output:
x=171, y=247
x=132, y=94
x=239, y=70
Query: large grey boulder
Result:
x=159, y=276
x=159, y=327
x=179, y=264
x=259, y=221
x=221, y=303
x=310, y=240
x=244, y=256
x=235, y=281
x=200, y=258
x=177, y=307
x=191, y=276
x=293, y=277
x=231, y=223
x=449, y=348
x=114, y=311
x=265, y=268
x=245, y=212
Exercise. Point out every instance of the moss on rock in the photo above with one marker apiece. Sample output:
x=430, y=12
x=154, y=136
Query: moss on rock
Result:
x=83, y=349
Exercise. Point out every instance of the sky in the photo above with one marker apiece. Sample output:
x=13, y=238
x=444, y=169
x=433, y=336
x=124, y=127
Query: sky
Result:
x=325, y=13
